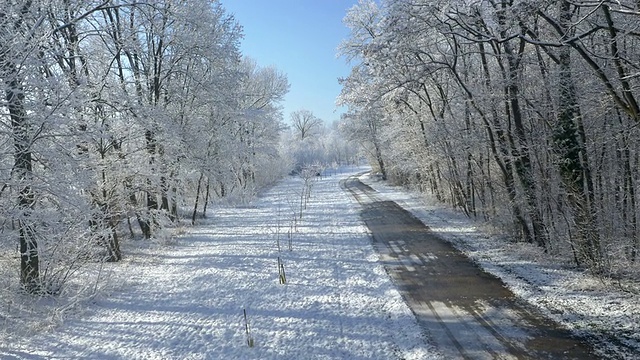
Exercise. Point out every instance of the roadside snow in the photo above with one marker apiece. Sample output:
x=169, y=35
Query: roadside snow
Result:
x=589, y=306
x=185, y=300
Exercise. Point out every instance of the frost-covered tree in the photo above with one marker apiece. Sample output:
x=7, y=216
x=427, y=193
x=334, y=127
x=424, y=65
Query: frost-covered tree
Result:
x=305, y=123
x=45, y=82
x=121, y=110
x=508, y=109
x=243, y=147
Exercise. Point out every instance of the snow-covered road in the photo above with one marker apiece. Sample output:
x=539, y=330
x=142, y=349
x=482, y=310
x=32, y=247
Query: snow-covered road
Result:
x=185, y=300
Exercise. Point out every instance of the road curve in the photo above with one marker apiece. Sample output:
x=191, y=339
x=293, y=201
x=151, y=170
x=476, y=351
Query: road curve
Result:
x=467, y=313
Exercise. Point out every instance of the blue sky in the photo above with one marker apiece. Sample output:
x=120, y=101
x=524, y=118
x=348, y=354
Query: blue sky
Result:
x=299, y=37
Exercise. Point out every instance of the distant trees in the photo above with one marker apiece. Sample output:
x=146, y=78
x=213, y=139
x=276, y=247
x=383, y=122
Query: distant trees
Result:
x=305, y=123
x=363, y=127
x=121, y=111
x=310, y=142
x=305, y=140
x=507, y=110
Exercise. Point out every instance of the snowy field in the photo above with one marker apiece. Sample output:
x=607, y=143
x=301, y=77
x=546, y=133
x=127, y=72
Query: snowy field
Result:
x=184, y=299
x=583, y=303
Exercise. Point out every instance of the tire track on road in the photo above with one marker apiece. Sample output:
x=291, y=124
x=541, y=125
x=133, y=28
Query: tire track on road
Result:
x=468, y=313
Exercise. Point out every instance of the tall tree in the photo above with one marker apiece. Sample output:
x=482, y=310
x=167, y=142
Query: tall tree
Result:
x=20, y=19
x=305, y=123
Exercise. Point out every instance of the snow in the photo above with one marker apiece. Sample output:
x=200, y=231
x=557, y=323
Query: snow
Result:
x=184, y=299
x=590, y=306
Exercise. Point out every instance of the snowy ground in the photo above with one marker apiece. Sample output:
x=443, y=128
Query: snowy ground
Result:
x=583, y=303
x=185, y=299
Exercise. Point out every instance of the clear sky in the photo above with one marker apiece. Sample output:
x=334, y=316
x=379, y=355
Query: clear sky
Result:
x=299, y=37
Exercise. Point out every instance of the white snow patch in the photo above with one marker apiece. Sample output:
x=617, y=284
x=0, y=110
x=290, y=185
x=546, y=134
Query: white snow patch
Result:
x=185, y=299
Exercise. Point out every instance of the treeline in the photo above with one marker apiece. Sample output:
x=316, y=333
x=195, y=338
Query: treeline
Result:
x=522, y=112
x=114, y=116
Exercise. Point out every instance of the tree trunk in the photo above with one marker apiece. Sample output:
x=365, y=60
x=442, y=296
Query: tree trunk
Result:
x=206, y=196
x=195, y=206
x=520, y=149
x=379, y=159
x=501, y=151
x=574, y=170
x=23, y=171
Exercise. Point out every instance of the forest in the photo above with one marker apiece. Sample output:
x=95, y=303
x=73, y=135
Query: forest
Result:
x=119, y=118
x=521, y=113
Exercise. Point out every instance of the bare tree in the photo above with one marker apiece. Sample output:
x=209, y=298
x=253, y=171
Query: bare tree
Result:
x=305, y=123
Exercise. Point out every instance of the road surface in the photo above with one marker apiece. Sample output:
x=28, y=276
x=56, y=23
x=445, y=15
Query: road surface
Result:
x=467, y=313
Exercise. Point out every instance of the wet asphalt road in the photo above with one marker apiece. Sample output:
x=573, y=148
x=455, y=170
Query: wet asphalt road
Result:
x=466, y=312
